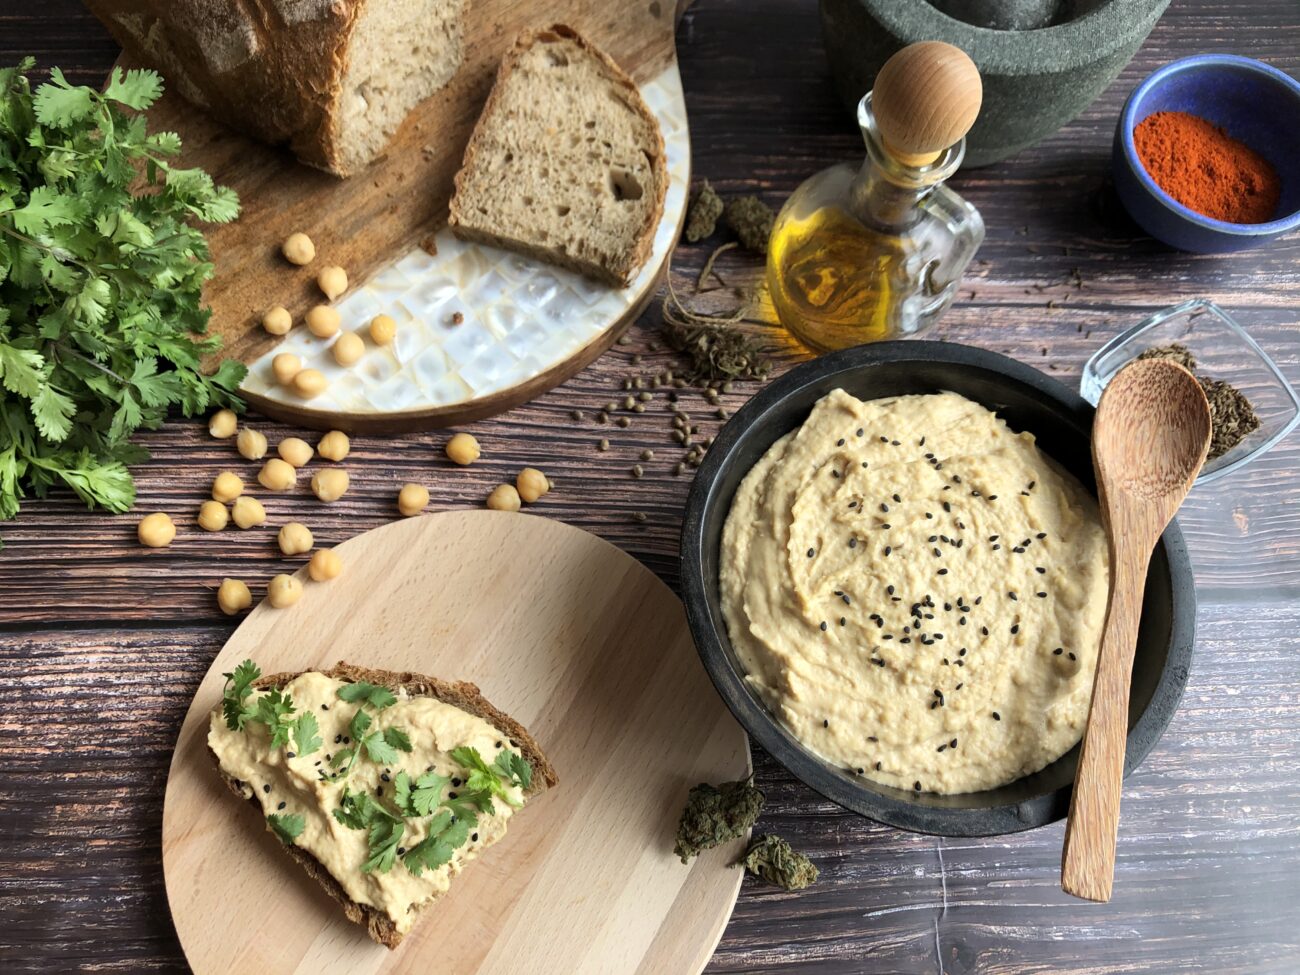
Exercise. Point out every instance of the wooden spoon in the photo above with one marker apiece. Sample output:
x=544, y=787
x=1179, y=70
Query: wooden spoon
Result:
x=1149, y=440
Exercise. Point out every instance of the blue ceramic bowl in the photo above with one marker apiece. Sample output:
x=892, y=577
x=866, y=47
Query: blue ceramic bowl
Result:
x=1252, y=102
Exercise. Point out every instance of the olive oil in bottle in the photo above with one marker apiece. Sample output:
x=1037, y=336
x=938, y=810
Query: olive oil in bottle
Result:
x=871, y=253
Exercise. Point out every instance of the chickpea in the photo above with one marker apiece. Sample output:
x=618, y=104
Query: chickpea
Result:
x=227, y=486
x=277, y=475
x=213, y=516
x=222, y=424
x=248, y=512
x=532, y=484
x=330, y=484
x=333, y=280
x=325, y=564
x=283, y=590
x=277, y=320
x=504, y=497
x=382, y=329
x=412, y=499
x=463, y=449
x=298, y=249
x=334, y=446
x=233, y=595
x=285, y=366
x=251, y=444
x=348, y=349
x=295, y=538
x=156, y=530
x=322, y=320
x=295, y=451
x=309, y=383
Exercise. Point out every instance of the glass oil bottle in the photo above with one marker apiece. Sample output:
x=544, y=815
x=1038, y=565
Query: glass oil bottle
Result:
x=877, y=252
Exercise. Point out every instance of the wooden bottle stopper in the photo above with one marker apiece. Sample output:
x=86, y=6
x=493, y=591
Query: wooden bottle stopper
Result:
x=926, y=98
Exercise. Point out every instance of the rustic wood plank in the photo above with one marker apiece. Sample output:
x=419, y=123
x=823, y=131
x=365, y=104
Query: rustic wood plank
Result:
x=1208, y=841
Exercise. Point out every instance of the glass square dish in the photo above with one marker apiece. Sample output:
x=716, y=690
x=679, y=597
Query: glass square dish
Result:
x=1223, y=351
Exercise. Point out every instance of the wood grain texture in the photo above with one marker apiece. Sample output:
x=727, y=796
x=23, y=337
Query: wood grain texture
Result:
x=1149, y=441
x=1209, y=853
x=594, y=658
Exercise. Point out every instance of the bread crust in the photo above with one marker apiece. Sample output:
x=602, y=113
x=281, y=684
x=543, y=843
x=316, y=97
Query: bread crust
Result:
x=460, y=694
x=619, y=277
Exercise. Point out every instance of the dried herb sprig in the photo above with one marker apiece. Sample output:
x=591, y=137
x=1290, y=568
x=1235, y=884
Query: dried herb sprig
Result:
x=774, y=860
x=716, y=815
x=702, y=218
x=715, y=350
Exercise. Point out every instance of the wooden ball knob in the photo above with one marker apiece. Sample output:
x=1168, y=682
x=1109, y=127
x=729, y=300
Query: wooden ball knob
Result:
x=926, y=99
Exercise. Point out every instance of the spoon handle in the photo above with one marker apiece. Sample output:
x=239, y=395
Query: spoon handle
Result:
x=1088, y=857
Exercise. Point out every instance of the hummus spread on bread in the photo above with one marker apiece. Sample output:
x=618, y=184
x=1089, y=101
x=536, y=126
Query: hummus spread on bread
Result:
x=917, y=592
x=286, y=783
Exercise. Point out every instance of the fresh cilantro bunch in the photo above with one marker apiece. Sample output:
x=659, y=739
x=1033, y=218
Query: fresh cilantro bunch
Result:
x=101, y=317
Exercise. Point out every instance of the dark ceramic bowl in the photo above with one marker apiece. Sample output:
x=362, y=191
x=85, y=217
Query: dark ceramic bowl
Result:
x=1027, y=400
x=1249, y=100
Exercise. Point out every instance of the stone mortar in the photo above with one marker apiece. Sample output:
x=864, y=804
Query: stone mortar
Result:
x=1034, y=80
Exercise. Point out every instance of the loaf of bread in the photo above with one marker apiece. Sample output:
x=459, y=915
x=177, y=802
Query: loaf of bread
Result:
x=332, y=79
x=566, y=163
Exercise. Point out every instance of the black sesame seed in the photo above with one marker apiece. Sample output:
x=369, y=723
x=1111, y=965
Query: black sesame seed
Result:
x=886, y=526
x=324, y=707
x=942, y=572
x=267, y=787
x=942, y=748
x=897, y=499
x=1012, y=596
x=921, y=442
x=993, y=497
x=884, y=440
x=823, y=626
x=859, y=432
x=473, y=837
x=933, y=538
x=953, y=743
x=883, y=506
x=853, y=543
x=888, y=549
x=947, y=506
x=840, y=442
x=996, y=716
x=895, y=443
x=1015, y=628
x=1041, y=595
x=961, y=652
x=906, y=639
x=281, y=805
x=825, y=723
x=401, y=850
x=1058, y=651
x=877, y=766
x=290, y=754
x=842, y=621
x=890, y=590
x=1072, y=656
x=1040, y=570
x=455, y=782
x=996, y=547
x=451, y=795
x=872, y=738
x=812, y=552
x=984, y=630
x=861, y=771
x=916, y=786
x=864, y=464
x=1041, y=535
x=929, y=514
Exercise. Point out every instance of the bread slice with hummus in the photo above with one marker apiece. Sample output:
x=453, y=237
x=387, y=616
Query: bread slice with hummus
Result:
x=382, y=785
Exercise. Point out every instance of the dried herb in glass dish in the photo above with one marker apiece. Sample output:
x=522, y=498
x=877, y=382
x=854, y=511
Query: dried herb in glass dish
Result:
x=1232, y=418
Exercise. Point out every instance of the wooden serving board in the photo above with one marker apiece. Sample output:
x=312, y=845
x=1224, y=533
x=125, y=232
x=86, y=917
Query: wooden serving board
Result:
x=365, y=222
x=569, y=635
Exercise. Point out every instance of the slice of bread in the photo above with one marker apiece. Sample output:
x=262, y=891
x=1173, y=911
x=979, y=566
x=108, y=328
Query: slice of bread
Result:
x=332, y=79
x=566, y=163
x=465, y=696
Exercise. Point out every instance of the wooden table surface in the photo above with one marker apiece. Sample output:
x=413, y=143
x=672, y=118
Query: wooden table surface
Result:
x=102, y=643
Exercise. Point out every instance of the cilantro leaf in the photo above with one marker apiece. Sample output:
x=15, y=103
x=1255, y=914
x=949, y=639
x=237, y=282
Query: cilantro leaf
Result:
x=273, y=708
x=384, y=831
x=239, y=685
x=383, y=837
x=378, y=749
x=446, y=835
x=398, y=739
x=418, y=798
x=514, y=768
x=372, y=694
x=305, y=733
x=360, y=723
x=483, y=777
x=287, y=826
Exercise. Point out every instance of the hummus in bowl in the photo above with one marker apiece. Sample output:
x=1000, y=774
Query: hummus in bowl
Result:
x=917, y=592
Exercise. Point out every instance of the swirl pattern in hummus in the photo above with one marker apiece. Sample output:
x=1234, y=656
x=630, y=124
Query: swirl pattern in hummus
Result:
x=917, y=592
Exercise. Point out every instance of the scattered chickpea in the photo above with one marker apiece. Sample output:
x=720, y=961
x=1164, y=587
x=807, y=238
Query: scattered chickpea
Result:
x=295, y=538
x=383, y=329
x=227, y=486
x=298, y=249
x=251, y=444
x=325, y=564
x=504, y=497
x=233, y=596
x=277, y=320
x=285, y=366
x=348, y=349
x=463, y=449
x=248, y=512
x=277, y=475
x=295, y=451
x=222, y=424
x=283, y=590
x=412, y=499
x=532, y=484
x=334, y=445
x=309, y=383
x=330, y=484
x=213, y=516
x=333, y=281
x=156, y=530
x=322, y=320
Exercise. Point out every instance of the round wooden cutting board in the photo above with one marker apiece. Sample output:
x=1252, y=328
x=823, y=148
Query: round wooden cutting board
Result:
x=564, y=632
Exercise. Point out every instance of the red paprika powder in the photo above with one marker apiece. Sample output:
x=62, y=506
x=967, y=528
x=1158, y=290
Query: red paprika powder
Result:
x=1205, y=169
